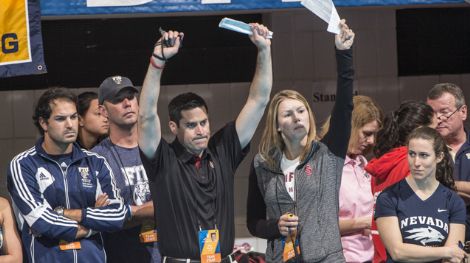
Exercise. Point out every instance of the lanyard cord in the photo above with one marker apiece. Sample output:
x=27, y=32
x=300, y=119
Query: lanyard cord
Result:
x=118, y=160
x=291, y=237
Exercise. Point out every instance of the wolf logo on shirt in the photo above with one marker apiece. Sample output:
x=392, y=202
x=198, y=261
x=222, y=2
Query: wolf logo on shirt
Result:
x=141, y=192
x=425, y=235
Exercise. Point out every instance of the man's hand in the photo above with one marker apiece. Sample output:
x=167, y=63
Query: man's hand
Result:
x=140, y=213
x=168, y=45
x=102, y=200
x=260, y=36
x=81, y=232
x=454, y=254
x=345, y=38
x=74, y=214
x=366, y=222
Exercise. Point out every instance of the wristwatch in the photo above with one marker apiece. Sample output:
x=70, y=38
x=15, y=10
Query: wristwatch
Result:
x=59, y=210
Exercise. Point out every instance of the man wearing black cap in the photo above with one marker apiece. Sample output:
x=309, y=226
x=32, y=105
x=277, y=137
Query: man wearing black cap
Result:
x=192, y=177
x=137, y=241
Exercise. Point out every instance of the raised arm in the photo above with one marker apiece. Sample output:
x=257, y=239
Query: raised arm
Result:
x=149, y=123
x=260, y=89
x=338, y=134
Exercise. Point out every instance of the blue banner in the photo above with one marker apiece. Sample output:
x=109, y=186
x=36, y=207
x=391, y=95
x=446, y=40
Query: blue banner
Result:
x=79, y=7
x=21, y=50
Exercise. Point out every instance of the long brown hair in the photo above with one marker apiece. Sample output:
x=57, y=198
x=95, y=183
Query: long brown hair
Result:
x=445, y=168
x=399, y=123
x=272, y=141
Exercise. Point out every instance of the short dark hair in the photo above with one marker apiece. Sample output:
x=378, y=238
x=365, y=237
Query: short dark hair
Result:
x=185, y=101
x=84, y=100
x=43, y=106
x=439, y=89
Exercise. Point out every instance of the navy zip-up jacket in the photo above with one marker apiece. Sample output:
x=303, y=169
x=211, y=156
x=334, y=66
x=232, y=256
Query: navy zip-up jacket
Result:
x=462, y=173
x=38, y=184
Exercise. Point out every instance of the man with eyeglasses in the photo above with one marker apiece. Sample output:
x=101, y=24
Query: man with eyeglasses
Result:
x=448, y=102
x=137, y=242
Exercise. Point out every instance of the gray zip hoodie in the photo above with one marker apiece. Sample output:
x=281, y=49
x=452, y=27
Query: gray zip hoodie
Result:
x=317, y=183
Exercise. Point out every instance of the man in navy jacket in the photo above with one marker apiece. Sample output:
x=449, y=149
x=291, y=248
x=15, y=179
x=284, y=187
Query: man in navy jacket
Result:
x=63, y=196
x=448, y=102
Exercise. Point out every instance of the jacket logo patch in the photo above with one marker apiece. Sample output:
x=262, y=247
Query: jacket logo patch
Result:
x=85, y=174
x=308, y=170
x=44, y=179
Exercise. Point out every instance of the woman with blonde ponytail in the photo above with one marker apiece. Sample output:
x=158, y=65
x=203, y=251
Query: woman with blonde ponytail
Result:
x=295, y=178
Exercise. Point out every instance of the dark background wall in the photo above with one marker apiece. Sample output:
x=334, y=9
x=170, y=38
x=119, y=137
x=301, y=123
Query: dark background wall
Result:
x=80, y=53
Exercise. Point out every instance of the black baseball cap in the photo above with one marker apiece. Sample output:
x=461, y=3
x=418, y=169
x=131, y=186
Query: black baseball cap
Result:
x=111, y=86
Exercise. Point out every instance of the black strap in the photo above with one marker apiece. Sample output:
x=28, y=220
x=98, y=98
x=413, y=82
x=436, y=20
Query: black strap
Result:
x=162, y=58
x=158, y=57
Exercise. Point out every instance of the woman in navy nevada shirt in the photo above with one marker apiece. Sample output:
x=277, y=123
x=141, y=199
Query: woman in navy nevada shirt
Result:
x=420, y=218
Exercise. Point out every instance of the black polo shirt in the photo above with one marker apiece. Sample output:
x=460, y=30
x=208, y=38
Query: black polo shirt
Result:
x=185, y=197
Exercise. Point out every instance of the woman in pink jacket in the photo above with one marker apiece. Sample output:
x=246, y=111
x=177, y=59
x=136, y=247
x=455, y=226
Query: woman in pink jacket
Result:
x=355, y=197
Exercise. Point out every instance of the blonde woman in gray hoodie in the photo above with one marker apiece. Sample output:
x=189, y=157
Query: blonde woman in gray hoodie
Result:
x=295, y=178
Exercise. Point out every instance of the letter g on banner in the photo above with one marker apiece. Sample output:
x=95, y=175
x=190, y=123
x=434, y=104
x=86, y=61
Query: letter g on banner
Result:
x=21, y=52
x=9, y=43
x=14, y=32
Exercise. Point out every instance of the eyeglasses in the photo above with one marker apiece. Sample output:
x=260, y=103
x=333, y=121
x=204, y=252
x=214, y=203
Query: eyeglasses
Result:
x=443, y=117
